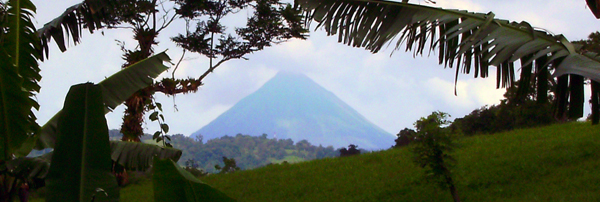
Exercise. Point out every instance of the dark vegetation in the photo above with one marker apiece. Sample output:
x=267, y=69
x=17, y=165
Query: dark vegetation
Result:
x=229, y=167
x=431, y=150
x=513, y=112
x=352, y=150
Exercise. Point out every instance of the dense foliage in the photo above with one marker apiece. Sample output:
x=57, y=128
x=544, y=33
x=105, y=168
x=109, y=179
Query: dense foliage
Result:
x=513, y=112
x=248, y=151
x=405, y=137
x=229, y=166
x=352, y=150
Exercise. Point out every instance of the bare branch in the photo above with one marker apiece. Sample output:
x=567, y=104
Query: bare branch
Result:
x=177, y=66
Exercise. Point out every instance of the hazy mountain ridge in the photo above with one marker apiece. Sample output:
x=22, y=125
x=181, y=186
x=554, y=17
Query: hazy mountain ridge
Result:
x=293, y=106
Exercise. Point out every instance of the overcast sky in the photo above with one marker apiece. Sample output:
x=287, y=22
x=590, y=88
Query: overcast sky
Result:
x=390, y=91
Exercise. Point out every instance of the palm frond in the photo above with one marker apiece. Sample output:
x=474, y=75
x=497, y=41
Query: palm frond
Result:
x=89, y=14
x=469, y=42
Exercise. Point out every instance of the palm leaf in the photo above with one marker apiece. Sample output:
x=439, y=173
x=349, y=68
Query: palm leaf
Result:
x=89, y=14
x=19, y=76
x=116, y=89
x=139, y=156
x=470, y=42
x=81, y=162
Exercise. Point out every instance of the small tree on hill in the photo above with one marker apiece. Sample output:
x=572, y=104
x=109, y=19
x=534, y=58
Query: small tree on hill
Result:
x=405, y=137
x=191, y=165
x=352, y=150
x=432, y=144
x=229, y=167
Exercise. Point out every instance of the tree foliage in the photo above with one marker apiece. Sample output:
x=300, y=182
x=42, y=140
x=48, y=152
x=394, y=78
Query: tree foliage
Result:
x=433, y=143
x=405, y=137
x=228, y=167
x=193, y=167
x=513, y=112
x=271, y=22
x=248, y=151
x=352, y=150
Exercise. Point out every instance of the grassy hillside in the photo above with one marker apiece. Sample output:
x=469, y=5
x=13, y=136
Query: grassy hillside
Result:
x=555, y=163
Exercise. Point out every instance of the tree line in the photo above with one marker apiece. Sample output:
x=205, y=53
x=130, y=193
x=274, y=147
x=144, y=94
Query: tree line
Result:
x=248, y=151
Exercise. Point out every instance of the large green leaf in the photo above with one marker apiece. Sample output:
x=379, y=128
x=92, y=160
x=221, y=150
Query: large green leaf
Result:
x=19, y=76
x=172, y=183
x=470, y=42
x=81, y=162
x=139, y=156
x=116, y=89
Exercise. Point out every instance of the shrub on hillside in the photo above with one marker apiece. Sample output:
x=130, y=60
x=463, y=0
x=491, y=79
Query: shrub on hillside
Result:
x=229, y=166
x=431, y=149
x=405, y=137
x=352, y=150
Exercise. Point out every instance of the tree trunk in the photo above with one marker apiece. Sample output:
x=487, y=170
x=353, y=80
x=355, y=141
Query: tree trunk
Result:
x=451, y=186
x=595, y=102
x=454, y=192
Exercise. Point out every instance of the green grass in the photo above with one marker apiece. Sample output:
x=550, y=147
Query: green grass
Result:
x=289, y=159
x=554, y=163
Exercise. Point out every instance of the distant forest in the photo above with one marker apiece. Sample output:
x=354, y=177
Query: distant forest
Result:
x=248, y=151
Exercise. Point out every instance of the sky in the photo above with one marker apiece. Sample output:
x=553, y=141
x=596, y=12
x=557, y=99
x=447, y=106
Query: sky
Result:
x=390, y=90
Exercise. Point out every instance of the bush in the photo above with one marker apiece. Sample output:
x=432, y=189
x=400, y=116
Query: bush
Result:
x=352, y=150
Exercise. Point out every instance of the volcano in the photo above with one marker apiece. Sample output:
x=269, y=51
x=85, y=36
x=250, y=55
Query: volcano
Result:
x=291, y=105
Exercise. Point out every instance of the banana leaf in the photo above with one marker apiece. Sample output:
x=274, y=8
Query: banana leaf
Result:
x=81, y=163
x=19, y=76
x=116, y=89
x=139, y=156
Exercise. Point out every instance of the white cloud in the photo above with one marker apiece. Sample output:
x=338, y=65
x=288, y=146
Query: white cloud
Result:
x=460, y=4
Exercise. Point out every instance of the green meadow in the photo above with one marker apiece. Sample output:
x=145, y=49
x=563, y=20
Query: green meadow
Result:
x=553, y=163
